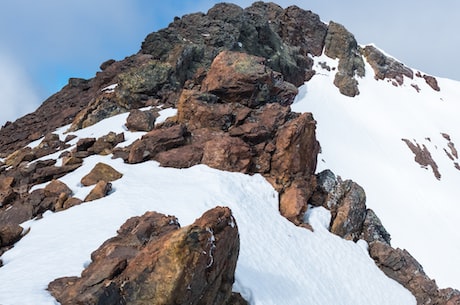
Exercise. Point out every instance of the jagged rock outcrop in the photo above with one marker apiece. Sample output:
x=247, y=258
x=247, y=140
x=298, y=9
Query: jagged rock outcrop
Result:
x=152, y=260
x=238, y=120
x=352, y=220
x=401, y=266
x=386, y=67
x=232, y=74
x=341, y=44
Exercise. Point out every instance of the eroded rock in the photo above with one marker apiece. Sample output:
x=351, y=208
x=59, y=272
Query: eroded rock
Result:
x=154, y=260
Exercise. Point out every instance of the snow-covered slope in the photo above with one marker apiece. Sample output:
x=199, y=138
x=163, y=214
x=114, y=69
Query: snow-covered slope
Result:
x=279, y=263
x=361, y=139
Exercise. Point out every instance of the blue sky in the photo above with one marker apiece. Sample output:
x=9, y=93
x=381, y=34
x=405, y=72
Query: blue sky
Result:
x=43, y=43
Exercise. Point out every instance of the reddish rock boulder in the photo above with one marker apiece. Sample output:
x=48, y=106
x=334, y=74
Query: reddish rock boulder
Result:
x=7, y=194
x=100, y=190
x=294, y=199
x=241, y=78
x=296, y=149
x=227, y=153
x=156, y=141
x=153, y=260
x=101, y=171
x=402, y=267
x=139, y=120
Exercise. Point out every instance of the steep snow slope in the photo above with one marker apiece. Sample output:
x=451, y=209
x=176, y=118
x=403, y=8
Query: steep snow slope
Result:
x=361, y=139
x=279, y=263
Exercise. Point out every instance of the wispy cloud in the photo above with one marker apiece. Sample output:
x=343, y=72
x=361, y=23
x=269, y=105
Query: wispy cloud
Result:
x=17, y=93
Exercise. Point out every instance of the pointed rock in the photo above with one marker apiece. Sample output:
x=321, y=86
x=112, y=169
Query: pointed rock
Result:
x=101, y=171
x=100, y=190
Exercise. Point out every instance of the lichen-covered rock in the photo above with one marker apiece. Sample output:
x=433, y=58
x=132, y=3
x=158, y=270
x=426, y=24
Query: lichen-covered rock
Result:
x=341, y=44
x=139, y=120
x=373, y=230
x=386, y=67
x=246, y=81
x=154, y=261
x=347, y=202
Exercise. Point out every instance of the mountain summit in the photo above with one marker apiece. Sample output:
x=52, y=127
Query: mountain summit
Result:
x=238, y=122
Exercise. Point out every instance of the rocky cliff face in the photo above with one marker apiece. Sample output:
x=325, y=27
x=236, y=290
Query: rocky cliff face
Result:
x=232, y=74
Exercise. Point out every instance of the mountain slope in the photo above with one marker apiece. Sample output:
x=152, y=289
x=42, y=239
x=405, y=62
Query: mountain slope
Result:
x=278, y=263
x=219, y=90
x=361, y=138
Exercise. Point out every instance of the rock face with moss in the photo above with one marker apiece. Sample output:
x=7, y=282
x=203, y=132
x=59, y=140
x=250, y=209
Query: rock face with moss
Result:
x=232, y=75
x=154, y=261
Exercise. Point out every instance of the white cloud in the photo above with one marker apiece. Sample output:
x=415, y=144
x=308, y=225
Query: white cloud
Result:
x=17, y=94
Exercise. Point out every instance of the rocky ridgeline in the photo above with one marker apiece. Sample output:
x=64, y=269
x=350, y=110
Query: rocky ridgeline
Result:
x=232, y=75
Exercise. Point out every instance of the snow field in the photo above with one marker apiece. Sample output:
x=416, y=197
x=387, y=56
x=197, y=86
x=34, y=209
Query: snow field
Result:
x=279, y=263
x=361, y=140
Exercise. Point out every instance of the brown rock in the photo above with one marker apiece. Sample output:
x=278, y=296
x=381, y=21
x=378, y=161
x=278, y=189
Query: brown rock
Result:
x=50, y=144
x=181, y=157
x=21, y=155
x=227, y=153
x=244, y=79
x=341, y=44
x=48, y=173
x=349, y=214
x=386, y=67
x=70, y=202
x=17, y=214
x=7, y=194
x=101, y=171
x=105, y=144
x=100, y=190
x=201, y=110
x=9, y=234
x=423, y=157
x=139, y=120
x=156, y=141
x=56, y=187
x=71, y=160
x=153, y=260
x=85, y=143
x=296, y=149
x=293, y=201
x=432, y=82
x=402, y=267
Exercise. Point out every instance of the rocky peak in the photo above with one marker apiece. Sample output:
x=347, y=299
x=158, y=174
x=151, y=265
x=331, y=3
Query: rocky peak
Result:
x=232, y=75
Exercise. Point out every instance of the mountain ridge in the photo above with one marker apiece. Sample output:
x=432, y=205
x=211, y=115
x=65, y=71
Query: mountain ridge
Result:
x=179, y=74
